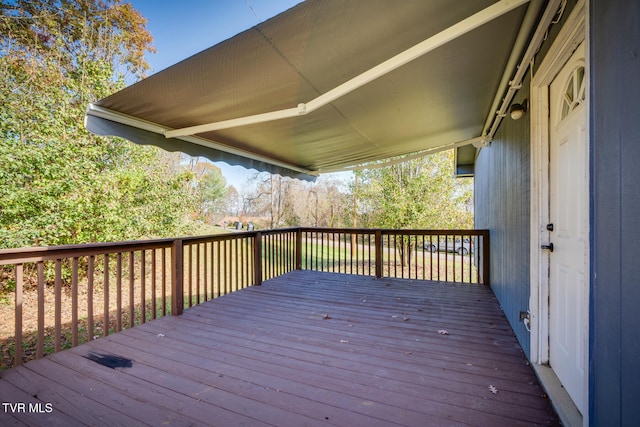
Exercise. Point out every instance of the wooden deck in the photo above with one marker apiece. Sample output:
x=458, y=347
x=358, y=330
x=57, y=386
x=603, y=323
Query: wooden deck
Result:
x=306, y=348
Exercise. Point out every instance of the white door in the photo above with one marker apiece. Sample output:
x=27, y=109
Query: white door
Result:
x=569, y=215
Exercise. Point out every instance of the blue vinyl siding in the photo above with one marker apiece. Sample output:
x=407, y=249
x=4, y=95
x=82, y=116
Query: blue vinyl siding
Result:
x=614, y=374
x=502, y=202
x=502, y=205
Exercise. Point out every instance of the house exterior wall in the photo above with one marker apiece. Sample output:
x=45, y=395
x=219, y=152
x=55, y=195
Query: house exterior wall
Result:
x=502, y=201
x=614, y=384
x=502, y=205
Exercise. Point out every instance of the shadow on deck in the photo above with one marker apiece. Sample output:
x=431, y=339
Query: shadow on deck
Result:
x=305, y=348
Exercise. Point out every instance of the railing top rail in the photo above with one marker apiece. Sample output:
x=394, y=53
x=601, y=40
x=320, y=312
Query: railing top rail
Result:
x=216, y=237
x=43, y=253
x=279, y=230
x=237, y=234
x=457, y=232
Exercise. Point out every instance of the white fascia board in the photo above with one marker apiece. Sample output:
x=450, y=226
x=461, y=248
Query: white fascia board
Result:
x=114, y=116
x=468, y=24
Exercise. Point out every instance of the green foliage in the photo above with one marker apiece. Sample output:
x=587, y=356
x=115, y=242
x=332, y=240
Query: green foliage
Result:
x=209, y=190
x=418, y=193
x=74, y=33
x=58, y=183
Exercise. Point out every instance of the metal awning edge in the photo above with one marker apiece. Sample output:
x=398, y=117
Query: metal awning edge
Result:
x=478, y=142
x=105, y=122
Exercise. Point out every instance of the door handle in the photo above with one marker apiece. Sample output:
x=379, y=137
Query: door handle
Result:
x=549, y=246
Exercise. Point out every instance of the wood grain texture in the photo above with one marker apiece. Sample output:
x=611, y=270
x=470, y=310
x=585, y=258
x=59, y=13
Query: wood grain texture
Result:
x=306, y=348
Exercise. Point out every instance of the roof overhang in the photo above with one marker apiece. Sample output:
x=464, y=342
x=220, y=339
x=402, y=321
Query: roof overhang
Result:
x=327, y=86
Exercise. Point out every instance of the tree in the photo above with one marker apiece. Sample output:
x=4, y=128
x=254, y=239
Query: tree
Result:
x=77, y=33
x=208, y=188
x=289, y=202
x=418, y=193
x=58, y=183
x=324, y=203
x=233, y=202
x=274, y=193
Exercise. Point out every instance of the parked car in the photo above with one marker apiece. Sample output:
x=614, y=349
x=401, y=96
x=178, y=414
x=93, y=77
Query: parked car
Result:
x=460, y=247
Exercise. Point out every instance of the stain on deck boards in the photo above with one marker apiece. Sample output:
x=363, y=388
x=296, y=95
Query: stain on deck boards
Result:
x=110, y=360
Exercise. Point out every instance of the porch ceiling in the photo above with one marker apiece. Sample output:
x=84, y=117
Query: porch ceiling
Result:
x=437, y=98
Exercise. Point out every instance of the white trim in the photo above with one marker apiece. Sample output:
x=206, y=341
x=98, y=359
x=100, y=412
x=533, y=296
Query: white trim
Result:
x=539, y=269
x=573, y=32
x=470, y=23
x=569, y=38
x=587, y=76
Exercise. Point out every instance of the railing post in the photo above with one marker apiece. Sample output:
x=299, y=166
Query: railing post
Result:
x=299, y=249
x=378, y=242
x=485, y=258
x=18, y=316
x=257, y=259
x=177, y=285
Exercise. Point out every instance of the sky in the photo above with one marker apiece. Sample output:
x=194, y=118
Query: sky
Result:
x=183, y=28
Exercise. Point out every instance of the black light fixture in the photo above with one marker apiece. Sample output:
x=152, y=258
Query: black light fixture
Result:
x=517, y=110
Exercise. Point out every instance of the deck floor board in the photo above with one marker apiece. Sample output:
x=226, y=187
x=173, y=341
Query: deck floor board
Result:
x=306, y=348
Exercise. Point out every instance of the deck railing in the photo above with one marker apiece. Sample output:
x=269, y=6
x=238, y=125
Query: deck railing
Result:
x=67, y=295
x=437, y=255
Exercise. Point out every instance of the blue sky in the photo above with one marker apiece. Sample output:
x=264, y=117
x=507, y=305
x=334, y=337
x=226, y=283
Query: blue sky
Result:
x=184, y=28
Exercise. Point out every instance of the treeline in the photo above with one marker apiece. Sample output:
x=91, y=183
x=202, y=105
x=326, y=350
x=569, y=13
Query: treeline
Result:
x=417, y=193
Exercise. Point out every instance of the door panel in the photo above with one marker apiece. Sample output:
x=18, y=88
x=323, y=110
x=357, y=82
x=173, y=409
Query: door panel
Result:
x=569, y=213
